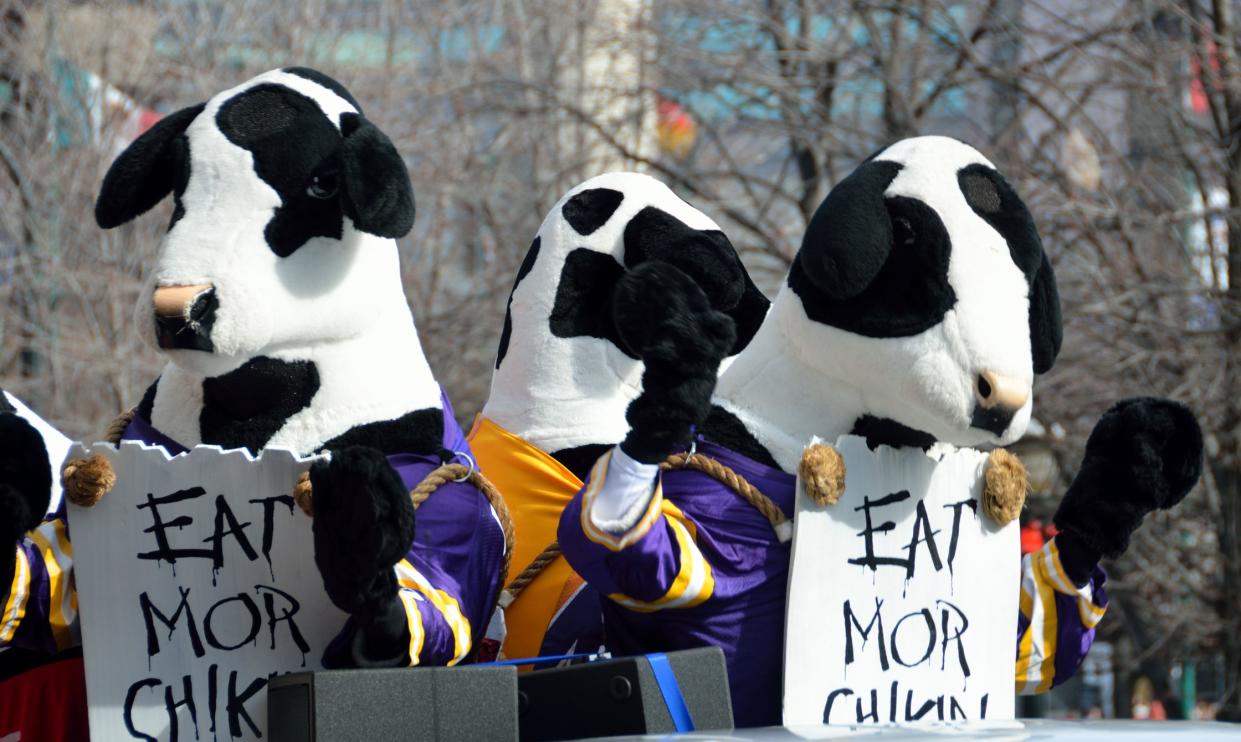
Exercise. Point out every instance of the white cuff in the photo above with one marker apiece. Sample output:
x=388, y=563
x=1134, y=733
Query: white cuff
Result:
x=625, y=495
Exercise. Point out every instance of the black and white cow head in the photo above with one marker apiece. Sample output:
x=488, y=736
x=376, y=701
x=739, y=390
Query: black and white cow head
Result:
x=563, y=378
x=286, y=203
x=925, y=288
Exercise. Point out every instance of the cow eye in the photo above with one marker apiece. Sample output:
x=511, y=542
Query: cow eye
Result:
x=322, y=185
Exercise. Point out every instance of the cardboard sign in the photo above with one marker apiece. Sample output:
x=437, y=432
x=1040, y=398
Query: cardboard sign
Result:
x=196, y=581
x=902, y=596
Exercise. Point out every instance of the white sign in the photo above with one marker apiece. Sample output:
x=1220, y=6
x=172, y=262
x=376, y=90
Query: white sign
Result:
x=196, y=581
x=902, y=596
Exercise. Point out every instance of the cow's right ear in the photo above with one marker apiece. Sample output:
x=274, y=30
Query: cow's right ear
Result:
x=144, y=173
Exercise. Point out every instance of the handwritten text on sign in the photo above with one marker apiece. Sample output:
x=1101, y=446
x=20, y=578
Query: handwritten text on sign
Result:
x=902, y=596
x=196, y=581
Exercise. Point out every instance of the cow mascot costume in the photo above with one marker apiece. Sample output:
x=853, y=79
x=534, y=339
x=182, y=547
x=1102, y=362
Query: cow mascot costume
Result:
x=42, y=689
x=277, y=302
x=917, y=312
x=564, y=378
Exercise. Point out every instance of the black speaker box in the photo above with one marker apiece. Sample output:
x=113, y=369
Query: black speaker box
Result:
x=621, y=696
x=431, y=703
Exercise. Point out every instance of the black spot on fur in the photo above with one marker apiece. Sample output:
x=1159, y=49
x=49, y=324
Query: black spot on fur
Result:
x=527, y=264
x=748, y=315
x=706, y=256
x=882, y=431
x=146, y=171
x=992, y=198
x=25, y=479
x=995, y=420
x=907, y=294
x=419, y=431
x=580, y=459
x=724, y=428
x=323, y=80
x=664, y=317
x=292, y=143
x=179, y=155
x=147, y=404
x=1144, y=454
x=244, y=408
x=5, y=404
x=583, y=306
x=591, y=209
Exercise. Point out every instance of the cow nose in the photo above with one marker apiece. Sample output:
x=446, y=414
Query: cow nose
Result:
x=184, y=316
x=176, y=301
x=998, y=399
x=994, y=390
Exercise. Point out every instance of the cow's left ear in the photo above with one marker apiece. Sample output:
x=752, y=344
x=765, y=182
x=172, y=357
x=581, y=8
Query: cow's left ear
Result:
x=146, y=171
x=1046, y=331
x=375, y=190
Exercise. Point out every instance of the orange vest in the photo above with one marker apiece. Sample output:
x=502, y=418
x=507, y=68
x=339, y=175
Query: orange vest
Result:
x=536, y=488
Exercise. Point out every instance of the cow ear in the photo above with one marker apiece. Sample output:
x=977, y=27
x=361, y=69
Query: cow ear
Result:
x=145, y=172
x=1046, y=331
x=850, y=234
x=375, y=188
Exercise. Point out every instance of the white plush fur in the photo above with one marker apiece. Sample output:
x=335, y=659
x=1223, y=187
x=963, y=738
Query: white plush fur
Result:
x=560, y=393
x=338, y=303
x=799, y=378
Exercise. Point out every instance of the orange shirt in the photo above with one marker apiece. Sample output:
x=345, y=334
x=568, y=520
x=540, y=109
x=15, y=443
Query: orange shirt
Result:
x=536, y=488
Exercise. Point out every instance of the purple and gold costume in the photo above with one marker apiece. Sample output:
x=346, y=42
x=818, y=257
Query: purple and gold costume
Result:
x=703, y=567
x=448, y=580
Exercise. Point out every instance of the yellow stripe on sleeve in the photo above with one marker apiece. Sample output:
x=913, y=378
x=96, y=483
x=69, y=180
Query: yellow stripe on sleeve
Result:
x=448, y=607
x=19, y=593
x=48, y=538
x=694, y=582
x=1047, y=596
x=616, y=542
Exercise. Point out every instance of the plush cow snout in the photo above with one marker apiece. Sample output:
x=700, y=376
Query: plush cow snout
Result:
x=184, y=316
x=998, y=400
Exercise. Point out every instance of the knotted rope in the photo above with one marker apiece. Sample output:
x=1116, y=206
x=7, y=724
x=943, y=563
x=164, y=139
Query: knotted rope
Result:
x=86, y=481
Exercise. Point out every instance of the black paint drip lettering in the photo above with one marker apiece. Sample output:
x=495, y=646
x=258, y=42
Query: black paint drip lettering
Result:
x=255, y=622
x=874, y=708
x=851, y=622
x=956, y=637
x=127, y=713
x=237, y=705
x=171, y=705
x=164, y=550
x=150, y=613
x=237, y=530
x=935, y=703
x=892, y=702
x=868, y=533
x=930, y=642
x=831, y=698
x=954, y=708
x=922, y=525
x=287, y=611
x=269, y=523
x=213, y=688
x=956, y=525
x=982, y=706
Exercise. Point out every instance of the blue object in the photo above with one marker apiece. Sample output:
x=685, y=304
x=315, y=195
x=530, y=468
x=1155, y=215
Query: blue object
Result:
x=542, y=660
x=666, y=679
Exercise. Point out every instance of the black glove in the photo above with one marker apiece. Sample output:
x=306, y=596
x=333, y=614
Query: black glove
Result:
x=1144, y=454
x=363, y=526
x=664, y=318
x=25, y=489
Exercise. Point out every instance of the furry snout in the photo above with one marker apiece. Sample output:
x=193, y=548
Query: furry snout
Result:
x=184, y=316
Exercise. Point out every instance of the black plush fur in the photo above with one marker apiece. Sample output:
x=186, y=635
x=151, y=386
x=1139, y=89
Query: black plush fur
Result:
x=907, y=294
x=418, y=431
x=663, y=316
x=363, y=526
x=25, y=488
x=1144, y=454
x=582, y=307
x=527, y=265
x=705, y=255
x=375, y=188
x=723, y=427
x=992, y=198
x=145, y=172
x=580, y=459
x=591, y=209
x=244, y=408
x=323, y=80
x=748, y=315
